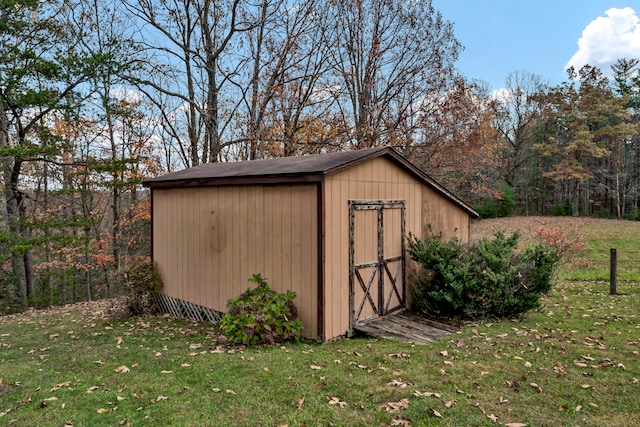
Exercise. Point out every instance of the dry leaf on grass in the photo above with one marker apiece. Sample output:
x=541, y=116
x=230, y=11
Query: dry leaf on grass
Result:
x=398, y=356
x=336, y=401
x=435, y=413
x=122, y=370
x=400, y=421
x=395, y=406
x=427, y=394
x=399, y=383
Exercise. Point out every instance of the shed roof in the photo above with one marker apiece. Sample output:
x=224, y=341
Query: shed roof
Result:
x=310, y=168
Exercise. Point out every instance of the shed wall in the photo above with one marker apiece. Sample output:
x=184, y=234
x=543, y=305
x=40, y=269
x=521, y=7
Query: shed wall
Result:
x=443, y=216
x=208, y=241
x=377, y=179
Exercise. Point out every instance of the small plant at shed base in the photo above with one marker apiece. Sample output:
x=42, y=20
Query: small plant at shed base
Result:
x=140, y=280
x=261, y=316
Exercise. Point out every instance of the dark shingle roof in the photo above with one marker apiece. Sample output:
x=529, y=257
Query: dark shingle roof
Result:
x=290, y=169
x=316, y=164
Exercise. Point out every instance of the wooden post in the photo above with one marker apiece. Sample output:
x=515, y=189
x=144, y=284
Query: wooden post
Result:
x=612, y=270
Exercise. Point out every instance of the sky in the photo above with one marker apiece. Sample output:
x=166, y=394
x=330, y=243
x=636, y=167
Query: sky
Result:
x=541, y=36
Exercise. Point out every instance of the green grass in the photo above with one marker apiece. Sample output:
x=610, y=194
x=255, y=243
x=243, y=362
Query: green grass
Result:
x=574, y=362
x=593, y=263
x=581, y=349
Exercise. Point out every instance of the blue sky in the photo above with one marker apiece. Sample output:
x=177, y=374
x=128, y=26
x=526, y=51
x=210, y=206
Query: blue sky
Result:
x=542, y=36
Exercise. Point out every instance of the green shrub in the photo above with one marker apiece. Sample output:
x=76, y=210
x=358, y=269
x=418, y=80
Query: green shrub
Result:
x=634, y=215
x=487, y=279
x=261, y=316
x=140, y=280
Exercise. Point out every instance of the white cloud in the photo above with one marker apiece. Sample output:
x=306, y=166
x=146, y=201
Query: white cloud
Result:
x=608, y=38
x=122, y=93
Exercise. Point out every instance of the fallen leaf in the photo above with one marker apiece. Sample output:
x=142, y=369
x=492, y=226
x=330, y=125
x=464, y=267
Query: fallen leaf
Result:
x=400, y=421
x=122, y=370
x=336, y=401
x=398, y=356
x=527, y=364
x=585, y=386
x=427, y=394
x=230, y=392
x=444, y=353
x=580, y=363
x=398, y=383
x=300, y=403
x=435, y=413
x=102, y=410
x=166, y=372
x=450, y=403
x=316, y=368
x=515, y=425
x=395, y=406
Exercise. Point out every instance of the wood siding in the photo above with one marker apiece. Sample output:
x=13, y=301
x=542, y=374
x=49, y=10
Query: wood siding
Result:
x=209, y=241
x=443, y=216
x=377, y=179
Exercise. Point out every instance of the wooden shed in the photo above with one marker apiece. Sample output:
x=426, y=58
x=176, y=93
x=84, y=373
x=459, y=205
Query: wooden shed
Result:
x=331, y=227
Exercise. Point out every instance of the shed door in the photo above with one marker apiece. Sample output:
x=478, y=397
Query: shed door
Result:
x=376, y=258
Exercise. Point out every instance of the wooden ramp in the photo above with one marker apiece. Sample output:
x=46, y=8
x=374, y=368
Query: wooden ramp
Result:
x=406, y=326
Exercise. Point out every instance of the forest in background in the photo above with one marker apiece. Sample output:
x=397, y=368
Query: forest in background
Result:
x=96, y=96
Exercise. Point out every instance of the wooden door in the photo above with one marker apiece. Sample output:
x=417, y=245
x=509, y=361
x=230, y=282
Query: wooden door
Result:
x=376, y=259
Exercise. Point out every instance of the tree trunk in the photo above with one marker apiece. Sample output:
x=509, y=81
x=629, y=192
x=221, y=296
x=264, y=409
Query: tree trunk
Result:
x=576, y=200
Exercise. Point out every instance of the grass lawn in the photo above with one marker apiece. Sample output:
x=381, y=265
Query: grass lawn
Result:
x=574, y=362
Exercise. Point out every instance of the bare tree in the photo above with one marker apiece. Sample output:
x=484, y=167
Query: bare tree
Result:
x=388, y=57
x=290, y=65
x=190, y=63
x=517, y=112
